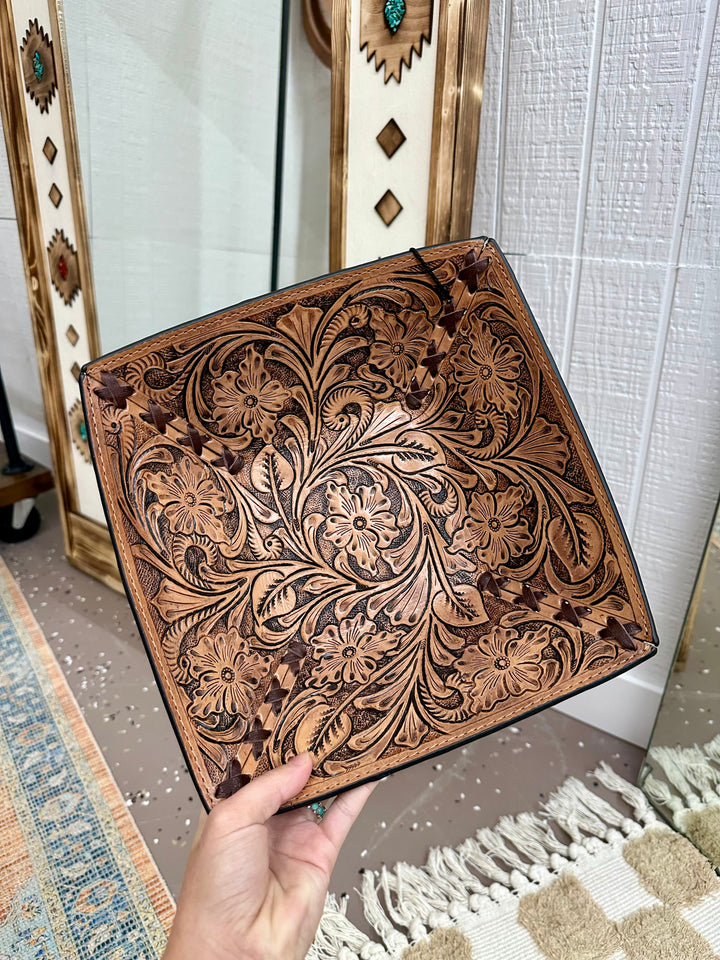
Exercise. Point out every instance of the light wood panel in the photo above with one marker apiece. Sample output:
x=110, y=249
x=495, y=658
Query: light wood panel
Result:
x=437, y=105
x=14, y=121
x=339, y=108
x=91, y=549
x=459, y=78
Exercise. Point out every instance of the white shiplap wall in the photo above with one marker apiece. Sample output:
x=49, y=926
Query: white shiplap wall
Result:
x=599, y=174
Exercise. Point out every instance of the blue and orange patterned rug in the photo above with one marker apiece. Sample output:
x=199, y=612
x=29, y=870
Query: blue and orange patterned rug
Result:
x=76, y=879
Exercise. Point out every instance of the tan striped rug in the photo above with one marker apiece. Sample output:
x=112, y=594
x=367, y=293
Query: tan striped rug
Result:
x=76, y=879
x=587, y=879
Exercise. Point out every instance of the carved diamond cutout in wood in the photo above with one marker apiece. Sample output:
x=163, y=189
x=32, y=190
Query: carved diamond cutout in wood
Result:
x=50, y=150
x=55, y=195
x=78, y=430
x=64, y=268
x=388, y=207
x=391, y=32
x=38, y=62
x=75, y=370
x=72, y=335
x=391, y=138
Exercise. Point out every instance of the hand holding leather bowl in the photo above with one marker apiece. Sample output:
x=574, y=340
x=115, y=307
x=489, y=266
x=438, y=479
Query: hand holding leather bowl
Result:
x=256, y=880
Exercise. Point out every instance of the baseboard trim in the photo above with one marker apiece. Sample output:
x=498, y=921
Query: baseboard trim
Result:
x=34, y=445
x=624, y=707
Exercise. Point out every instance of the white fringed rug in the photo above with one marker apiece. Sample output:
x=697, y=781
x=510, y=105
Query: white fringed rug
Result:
x=581, y=881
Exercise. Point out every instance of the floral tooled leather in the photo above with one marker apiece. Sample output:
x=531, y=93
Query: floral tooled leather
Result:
x=360, y=517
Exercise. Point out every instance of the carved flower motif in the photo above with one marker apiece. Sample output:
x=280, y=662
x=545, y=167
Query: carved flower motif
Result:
x=348, y=653
x=189, y=499
x=399, y=343
x=494, y=528
x=487, y=370
x=249, y=400
x=228, y=674
x=360, y=522
x=501, y=665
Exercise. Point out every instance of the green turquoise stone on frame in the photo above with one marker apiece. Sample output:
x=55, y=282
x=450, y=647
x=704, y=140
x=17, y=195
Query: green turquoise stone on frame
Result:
x=38, y=67
x=83, y=431
x=394, y=13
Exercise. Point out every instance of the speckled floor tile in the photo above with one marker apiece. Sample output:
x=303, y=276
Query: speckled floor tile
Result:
x=93, y=634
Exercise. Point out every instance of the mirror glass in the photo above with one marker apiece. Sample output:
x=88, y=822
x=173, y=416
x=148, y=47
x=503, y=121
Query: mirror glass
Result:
x=681, y=773
x=177, y=116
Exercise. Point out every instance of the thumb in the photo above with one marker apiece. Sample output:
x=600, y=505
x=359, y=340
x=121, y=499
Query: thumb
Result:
x=261, y=798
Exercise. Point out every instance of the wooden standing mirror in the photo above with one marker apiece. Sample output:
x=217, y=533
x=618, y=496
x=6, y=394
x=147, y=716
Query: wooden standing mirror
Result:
x=199, y=156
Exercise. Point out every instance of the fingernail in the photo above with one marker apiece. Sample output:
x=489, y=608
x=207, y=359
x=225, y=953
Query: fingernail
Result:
x=300, y=759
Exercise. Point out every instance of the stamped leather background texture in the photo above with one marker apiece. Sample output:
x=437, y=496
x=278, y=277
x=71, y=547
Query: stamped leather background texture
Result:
x=360, y=517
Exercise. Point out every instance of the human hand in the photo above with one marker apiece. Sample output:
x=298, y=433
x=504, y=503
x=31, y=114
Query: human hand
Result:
x=256, y=880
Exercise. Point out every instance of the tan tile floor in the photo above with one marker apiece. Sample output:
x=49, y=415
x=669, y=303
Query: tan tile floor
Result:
x=94, y=637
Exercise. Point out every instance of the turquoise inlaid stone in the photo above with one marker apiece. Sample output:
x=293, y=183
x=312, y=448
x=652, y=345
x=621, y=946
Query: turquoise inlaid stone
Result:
x=83, y=431
x=394, y=13
x=38, y=66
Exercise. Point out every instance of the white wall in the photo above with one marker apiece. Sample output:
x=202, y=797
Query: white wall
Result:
x=598, y=173
x=176, y=108
x=305, y=222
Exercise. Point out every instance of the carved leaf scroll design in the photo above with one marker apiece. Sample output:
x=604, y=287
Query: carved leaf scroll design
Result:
x=357, y=526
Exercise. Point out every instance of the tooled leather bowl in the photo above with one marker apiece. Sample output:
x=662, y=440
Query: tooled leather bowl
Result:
x=360, y=517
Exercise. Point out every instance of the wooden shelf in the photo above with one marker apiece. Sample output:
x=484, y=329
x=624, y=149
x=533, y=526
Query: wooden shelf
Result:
x=22, y=486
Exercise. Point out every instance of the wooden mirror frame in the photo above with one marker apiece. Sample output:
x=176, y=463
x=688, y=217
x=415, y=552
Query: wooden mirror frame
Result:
x=33, y=159
x=37, y=107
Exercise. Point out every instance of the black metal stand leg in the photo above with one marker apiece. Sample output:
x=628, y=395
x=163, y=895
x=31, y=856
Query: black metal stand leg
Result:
x=16, y=463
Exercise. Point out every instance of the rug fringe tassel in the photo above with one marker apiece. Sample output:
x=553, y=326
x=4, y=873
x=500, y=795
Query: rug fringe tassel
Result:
x=691, y=771
x=520, y=853
x=675, y=766
x=712, y=749
x=337, y=938
x=632, y=795
x=692, y=778
x=661, y=793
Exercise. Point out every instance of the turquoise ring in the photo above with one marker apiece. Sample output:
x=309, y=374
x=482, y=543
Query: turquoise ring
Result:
x=319, y=810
